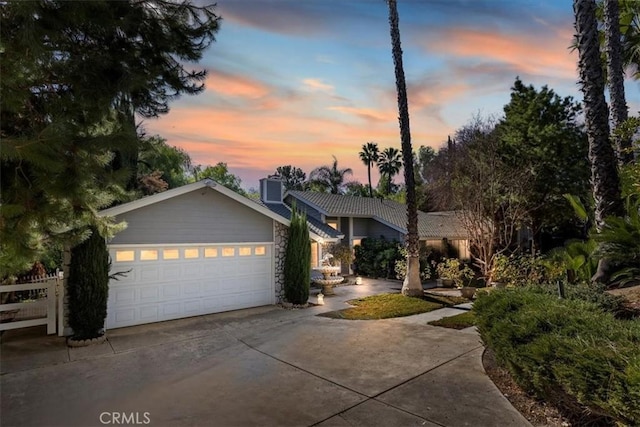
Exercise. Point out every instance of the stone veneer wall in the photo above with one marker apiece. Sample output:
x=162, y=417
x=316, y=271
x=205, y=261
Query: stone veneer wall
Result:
x=281, y=237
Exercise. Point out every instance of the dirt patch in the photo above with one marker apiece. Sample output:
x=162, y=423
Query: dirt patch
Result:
x=632, y=296
x=538, y=413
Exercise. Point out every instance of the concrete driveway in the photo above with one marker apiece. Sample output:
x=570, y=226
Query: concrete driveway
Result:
x=259, y=367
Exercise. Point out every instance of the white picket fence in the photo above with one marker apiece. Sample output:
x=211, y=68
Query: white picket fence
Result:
x=37, y=303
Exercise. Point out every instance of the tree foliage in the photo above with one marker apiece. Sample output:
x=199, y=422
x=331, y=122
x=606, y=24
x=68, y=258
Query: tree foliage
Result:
x=369, y=156
x=293, y=178
x=389, y=164
x=73, y=75
x=297, y=274
x=541, y=138
x=220, y=173
x=329, y=178
x=172, y=163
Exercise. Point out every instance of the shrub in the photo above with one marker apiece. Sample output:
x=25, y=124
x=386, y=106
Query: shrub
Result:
x=297, y=274
x=452, y=268
x=425, y=265
x=88, y=287
x=377, y=257
x=565, y=350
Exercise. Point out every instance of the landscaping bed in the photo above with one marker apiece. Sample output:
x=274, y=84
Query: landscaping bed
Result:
x=569, y=352
x=385, y=306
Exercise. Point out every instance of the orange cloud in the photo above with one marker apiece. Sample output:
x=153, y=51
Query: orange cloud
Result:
x=235, y=86
x=550, y=55
x=369, y=114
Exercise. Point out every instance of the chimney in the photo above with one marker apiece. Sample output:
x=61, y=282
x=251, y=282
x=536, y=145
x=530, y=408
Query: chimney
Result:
x=271, y=190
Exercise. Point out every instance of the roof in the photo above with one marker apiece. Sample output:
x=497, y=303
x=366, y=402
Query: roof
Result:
x=175, y=192
x=315, y=226
x=317, y=231
x=391, y=213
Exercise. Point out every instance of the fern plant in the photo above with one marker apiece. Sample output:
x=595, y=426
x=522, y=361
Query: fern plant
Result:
x=620, y=242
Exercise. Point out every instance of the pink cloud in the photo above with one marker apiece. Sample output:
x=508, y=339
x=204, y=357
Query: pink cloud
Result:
x=235, y=86
x=535, y=56
x=317, y=84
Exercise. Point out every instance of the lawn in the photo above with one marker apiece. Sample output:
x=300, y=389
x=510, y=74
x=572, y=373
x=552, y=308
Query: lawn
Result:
x=459, y=321
x=385, y=306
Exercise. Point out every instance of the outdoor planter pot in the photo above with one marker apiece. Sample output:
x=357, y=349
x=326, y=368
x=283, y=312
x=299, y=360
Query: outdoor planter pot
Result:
x=468, y=292
x=446, y=283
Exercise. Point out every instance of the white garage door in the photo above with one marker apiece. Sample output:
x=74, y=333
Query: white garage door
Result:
x=165, y=282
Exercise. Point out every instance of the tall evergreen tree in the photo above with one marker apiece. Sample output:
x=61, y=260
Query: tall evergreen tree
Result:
x=293, y=178
x=88, y=286
x=412, y=285
x=73, y=76
x=297, y=264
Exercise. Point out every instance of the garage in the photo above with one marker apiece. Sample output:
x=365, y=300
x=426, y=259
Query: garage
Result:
x=193, y=250
x=166, y=282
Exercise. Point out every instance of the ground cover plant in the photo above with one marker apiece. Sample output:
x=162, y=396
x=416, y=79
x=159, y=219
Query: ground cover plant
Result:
x=459, y=321
x=567, y=351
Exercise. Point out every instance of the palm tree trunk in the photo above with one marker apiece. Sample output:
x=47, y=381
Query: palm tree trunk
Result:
x=604, y=172
x=615, y=74
x=369, y=175
x=412, y=285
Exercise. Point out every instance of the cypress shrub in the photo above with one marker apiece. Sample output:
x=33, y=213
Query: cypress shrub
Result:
x=88, y=287
x=297, y=263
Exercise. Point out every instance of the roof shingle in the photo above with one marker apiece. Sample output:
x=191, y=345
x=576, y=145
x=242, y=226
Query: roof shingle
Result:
x=430, y=224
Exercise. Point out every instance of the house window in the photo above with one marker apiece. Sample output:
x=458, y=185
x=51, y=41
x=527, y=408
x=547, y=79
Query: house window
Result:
x=170, y=254
x=356, y=242
x=123, y=256
x=148, y=255
x=244, y=251
x=314, y=254
x=228, y=252
x=333, y=224
x=210, y=252
x=260, y=250
x=191, y=253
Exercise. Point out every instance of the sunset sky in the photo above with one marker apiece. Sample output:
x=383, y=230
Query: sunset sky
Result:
x=297, y=81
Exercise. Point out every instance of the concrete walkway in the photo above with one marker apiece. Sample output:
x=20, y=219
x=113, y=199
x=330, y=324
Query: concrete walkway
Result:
x=259, y=367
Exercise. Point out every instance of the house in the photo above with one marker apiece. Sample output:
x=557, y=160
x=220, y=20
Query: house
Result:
x=203, y=248
x=357, y=218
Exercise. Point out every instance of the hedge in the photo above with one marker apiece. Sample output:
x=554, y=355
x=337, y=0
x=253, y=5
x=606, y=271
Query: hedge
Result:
x=565, y=351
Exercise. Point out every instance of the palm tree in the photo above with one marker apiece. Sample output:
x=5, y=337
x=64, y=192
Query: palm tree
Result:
x=330, y=178
x=369, y=156
x=615, y=77
x=412, y=285
x=389, y=163
x=604, y=173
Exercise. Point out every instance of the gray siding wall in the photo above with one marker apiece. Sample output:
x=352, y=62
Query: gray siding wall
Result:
x=202, y=216
x=361, y=226
x=344, y=227
x=377, y=229
x=303, y=207
x=274, y=191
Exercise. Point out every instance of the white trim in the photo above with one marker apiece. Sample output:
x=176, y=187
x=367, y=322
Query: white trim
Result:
x=182, y=245
x=175, y=192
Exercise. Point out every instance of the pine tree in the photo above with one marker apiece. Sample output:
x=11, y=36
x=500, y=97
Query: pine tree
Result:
x=88, y=286
x=297, y=275
x=73, y=76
